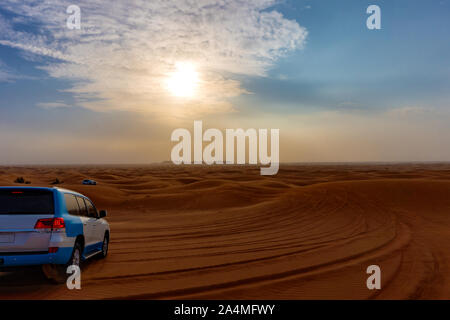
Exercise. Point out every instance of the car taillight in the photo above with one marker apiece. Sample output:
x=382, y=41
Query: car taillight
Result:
x=51, y=223
x=44, y=224
x=58, y=223
x=53, y=250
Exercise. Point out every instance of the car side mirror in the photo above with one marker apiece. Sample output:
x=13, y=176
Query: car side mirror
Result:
x=103, y=213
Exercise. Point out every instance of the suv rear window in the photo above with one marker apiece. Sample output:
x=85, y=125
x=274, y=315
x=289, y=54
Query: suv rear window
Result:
x=23, y=201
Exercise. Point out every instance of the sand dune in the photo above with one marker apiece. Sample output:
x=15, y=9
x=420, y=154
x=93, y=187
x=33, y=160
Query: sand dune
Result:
x=228, y=233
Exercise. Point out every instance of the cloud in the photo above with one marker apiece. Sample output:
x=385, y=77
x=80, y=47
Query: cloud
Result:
x=52, y=105
x=410, y=111
x=120, y=58
x=350, y=106
x=7, y=74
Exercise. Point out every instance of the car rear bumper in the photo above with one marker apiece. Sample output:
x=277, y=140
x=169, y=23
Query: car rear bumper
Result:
x=9, y=259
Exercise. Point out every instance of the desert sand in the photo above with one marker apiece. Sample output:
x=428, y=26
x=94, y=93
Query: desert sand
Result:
x=225, y=232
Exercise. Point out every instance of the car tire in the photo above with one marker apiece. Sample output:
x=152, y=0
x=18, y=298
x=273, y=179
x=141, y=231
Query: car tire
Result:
x=76, y=257
x=58, y=273
x=105, y=247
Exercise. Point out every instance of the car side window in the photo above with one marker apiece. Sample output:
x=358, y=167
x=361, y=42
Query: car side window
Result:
x=72, y=204
x=82, y=205
x=92, y=211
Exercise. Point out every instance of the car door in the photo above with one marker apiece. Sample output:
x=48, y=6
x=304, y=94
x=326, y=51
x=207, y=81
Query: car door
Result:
x=88, y=226
x=98, y=232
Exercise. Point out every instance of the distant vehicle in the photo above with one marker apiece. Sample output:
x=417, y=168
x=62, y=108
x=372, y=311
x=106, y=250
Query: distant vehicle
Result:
x=51, y=227
x=90, y=182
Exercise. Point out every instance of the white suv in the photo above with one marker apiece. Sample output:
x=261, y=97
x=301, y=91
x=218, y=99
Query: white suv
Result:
x=51, y=227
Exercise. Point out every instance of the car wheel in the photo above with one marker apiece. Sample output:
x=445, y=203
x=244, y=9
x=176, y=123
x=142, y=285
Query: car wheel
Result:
x=105, y=247
x=75, y=259
x=58, y=273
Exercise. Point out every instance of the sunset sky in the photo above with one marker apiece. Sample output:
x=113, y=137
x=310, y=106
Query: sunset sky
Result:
x=113, y=91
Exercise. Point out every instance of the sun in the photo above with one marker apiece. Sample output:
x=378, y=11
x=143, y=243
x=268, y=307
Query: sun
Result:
x=183, y=82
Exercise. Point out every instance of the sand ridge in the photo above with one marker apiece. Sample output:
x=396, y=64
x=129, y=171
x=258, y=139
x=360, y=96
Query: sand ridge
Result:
x=226, y=232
